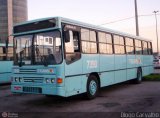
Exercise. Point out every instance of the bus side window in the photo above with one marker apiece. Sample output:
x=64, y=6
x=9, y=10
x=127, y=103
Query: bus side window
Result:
x=150, y=48
x=72, y=48
x=4, y=53
x=10, y=53
x=129, y=46
x=1, y=53
x=145, y=48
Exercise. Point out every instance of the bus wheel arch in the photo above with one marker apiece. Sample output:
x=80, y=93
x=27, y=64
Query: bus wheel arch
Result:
x=98, y=78
x=92, y=86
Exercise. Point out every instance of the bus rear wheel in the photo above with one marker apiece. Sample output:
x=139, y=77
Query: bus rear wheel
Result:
x=92, y=87
x=138, y=80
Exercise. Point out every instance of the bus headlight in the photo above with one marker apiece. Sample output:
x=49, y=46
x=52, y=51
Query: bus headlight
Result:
x=47, y=80
x=16, y=79
x=20, y=79
x=52, y=80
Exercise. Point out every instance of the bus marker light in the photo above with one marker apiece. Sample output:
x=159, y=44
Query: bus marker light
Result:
x=47, y=80
x=59, y=80
x=51, y=71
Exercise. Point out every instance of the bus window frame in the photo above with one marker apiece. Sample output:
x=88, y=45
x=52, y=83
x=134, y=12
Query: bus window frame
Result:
x=79, y=40
x=119, y=44
x=138, y=46
x=98, y=42
x=32, y=59
x=89, y=40
x=129, y=45
x=143, y=47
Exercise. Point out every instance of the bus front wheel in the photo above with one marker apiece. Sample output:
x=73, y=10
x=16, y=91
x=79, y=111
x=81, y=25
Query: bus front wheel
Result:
x=92, y=87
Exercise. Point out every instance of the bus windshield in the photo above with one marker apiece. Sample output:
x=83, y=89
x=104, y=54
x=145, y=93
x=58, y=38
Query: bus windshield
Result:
x=38, y=49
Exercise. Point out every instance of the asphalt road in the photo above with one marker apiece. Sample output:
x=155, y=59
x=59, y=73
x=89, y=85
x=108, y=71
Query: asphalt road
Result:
x=123, y=97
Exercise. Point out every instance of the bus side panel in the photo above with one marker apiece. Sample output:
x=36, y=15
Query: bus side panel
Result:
x=73, y=85
x=120, y=68
x=151, y=67
x=73, y=79
x=131, y=73
x=90, y=63
x=145, y=71
x=79, y=85
x=147, y=64
x=5, y=77
x=107, y=70
x=120, y=62
x=120, y=76
x=74, y=68
x=131, y=67
x=84, y=83
x=6, y=66
x=5, y=71
x=107, y=78
x=106, y=63
x=139, y=61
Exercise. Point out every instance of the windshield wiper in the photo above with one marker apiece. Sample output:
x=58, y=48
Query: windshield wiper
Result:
x=21, y=57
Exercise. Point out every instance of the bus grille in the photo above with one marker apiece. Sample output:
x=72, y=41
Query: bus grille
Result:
x=33, y=79
x=30, y=71
x=32, y=89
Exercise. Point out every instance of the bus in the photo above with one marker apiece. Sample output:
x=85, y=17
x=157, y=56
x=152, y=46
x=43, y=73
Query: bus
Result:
x=63, y=57
x=6, y=62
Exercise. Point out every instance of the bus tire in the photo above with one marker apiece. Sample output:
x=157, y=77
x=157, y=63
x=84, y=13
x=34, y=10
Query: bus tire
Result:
x=92, y=87
x=138, y=80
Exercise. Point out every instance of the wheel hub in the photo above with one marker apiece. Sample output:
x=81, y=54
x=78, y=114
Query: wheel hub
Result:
x=92, y=87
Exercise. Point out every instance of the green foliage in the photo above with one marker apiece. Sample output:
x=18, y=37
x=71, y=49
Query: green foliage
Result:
x=153, y=77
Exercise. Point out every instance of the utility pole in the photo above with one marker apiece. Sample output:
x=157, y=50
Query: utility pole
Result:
x=136, y=18
x=155, y=12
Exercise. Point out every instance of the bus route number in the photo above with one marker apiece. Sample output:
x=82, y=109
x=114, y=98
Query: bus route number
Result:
x=91, y=64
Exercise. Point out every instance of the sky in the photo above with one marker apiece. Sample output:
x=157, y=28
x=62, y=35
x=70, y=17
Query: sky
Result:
x=104, y=13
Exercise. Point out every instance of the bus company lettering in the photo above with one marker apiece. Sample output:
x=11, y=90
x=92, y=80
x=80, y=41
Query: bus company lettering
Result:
x=91, y=64
x=135, y=61
x=71, y=27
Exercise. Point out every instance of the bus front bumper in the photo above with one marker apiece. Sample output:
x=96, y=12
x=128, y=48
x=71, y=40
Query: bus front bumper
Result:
x=46, y=90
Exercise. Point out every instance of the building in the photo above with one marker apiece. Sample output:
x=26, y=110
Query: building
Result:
x=11, y=12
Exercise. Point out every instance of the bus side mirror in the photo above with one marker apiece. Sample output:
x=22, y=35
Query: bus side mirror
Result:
x=67, y=36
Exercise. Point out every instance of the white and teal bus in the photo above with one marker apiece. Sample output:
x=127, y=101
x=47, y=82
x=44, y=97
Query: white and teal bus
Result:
x=63, y=57
x=6, y=62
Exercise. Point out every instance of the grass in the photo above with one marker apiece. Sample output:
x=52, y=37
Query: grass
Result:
x=152, y=77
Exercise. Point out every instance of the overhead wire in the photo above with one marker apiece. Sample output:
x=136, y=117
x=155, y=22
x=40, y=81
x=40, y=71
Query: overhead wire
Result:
x=124, y=19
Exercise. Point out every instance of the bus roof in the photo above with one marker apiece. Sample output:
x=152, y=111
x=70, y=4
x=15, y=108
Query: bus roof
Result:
x=85, y=25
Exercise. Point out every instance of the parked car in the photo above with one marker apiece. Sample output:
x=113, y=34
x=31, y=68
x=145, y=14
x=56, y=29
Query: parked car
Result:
x=156, y=63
